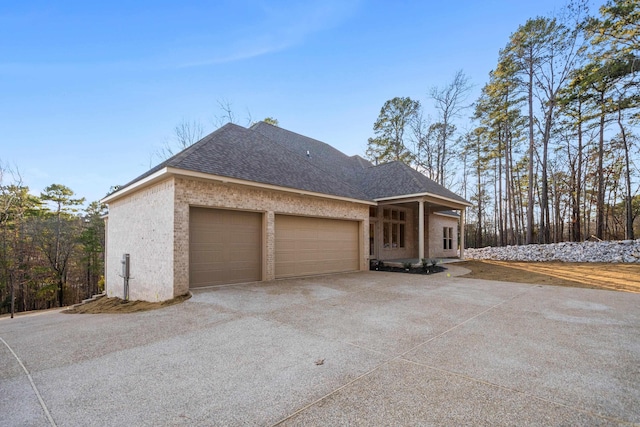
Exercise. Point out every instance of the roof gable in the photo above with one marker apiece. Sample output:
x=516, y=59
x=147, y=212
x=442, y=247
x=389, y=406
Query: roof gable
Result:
x=267, y=154
x=396, y=179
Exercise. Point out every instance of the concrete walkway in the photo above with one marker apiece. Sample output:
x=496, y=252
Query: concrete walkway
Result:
x=366, y=349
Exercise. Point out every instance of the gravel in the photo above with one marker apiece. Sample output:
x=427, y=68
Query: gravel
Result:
x=623, y=251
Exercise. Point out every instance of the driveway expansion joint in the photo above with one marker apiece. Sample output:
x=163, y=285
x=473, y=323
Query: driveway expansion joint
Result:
x=399, y=357
x=514, y=390
x=33, y=384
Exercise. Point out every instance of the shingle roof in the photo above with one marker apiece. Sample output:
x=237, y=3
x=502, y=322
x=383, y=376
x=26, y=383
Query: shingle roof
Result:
x=396, y=179
x=324, y=156
x=236, y=152
x=271, y=155
x=386, y=180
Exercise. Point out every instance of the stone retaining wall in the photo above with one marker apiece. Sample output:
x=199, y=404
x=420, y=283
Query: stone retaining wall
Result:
x=614, y=251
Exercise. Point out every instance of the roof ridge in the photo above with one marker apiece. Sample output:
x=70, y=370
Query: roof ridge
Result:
x=301, y=136
x=202, y=141
x=284, y=146
x=177, y=157
x=409, y=170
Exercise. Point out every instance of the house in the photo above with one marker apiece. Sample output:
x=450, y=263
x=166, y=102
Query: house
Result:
x=264, y=203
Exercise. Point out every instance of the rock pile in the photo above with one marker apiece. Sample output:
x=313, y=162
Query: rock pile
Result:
x=615, y=251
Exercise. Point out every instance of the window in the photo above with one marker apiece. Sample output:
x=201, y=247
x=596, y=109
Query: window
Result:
x=373, y=212
x=447, y=233
x=393, y=228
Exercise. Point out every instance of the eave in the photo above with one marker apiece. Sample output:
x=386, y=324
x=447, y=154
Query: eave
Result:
x=427, y=197
x=167, y=172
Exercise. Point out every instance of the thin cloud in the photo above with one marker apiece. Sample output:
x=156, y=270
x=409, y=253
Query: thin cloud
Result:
x=282, y=27
x=273, y=27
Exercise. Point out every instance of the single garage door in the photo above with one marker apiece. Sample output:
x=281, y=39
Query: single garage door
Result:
x=307, y=246
x=224, y=247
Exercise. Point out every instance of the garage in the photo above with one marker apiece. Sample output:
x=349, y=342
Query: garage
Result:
x=225, y=246
x=307, y=246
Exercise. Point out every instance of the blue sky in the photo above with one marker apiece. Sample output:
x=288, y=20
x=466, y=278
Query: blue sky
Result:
x=89, y=91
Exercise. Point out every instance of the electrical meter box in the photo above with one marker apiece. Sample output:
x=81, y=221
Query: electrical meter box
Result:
x=125, y=266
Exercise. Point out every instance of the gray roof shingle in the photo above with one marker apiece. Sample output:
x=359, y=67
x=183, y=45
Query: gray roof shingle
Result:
x=236, y=152
x=396, y=179
x=271, y=155
x=386, y=180
x=324, y=156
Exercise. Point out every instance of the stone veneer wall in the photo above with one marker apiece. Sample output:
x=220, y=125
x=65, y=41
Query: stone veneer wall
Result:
x=141, y=225
x=435, y=236
x=192, y=192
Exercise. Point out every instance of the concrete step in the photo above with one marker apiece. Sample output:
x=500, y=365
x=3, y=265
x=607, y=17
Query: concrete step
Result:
x=93, y=298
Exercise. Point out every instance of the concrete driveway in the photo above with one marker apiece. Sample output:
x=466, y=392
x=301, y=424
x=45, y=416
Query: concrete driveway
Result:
x=366, y=348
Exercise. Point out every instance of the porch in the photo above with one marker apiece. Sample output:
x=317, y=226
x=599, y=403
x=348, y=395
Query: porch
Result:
x=404, y=229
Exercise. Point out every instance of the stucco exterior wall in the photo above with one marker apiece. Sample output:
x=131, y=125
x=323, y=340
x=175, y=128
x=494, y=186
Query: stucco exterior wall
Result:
x=142, y=225
x=214, y=194
x=435, y=236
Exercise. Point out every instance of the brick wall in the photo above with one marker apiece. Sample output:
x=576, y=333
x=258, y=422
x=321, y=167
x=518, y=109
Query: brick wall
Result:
x=410, y=249
x=191, y=192
x=142, y=225
x=436, y=246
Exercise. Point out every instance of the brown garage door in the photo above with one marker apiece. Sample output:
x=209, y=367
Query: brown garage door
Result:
x=224, y=247
x=307, y=246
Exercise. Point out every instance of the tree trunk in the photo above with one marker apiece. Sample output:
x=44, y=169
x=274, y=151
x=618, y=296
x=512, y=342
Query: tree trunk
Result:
x=629, y=235
x=529, y=238
x=545, y=218
x=479, y=192
x=575, y=213
x=600, y=174
x=500, y=198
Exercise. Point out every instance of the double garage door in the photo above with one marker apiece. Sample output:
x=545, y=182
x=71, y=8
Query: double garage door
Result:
x=226, y=246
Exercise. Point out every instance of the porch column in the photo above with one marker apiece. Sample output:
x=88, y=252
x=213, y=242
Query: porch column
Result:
x=462, y=228
x=421, y=229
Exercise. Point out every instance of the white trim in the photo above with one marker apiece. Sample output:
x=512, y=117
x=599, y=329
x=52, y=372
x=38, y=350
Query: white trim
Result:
x=452, y=216
x=170, y=171
x=407, y=196
x=138, y=184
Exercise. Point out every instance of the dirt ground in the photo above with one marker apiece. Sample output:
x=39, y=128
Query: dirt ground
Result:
x=117, y=305
x=618, y=277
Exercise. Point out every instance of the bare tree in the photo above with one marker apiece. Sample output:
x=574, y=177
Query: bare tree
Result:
x=188, y=132
x=228, y=115
x=185, y=134
x=7, y=198
x=450, y=102
x=422, y=149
